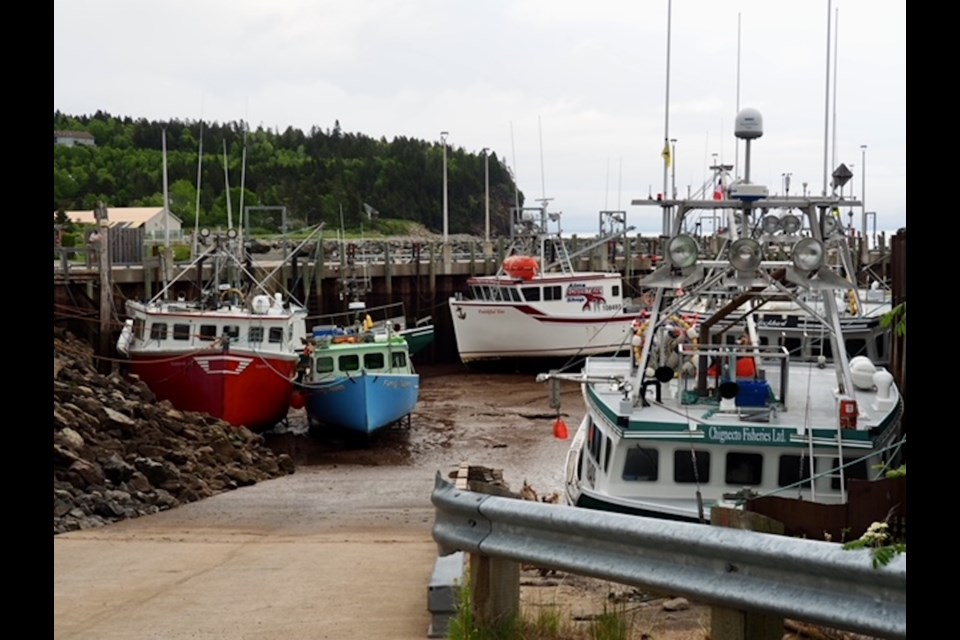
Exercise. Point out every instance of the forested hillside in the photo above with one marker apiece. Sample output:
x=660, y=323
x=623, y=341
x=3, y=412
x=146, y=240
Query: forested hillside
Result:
x=319, y=175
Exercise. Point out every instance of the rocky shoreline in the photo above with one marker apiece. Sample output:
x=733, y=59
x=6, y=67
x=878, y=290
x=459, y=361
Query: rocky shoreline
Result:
x=118, y=453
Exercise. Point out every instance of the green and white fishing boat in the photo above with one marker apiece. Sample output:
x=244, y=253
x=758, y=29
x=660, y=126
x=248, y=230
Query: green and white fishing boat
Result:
x=703, y=412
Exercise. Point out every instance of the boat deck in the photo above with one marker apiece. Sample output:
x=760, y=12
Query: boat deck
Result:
x=805, y=406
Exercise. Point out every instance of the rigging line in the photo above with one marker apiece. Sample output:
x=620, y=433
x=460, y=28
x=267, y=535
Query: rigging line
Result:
x=828, y=472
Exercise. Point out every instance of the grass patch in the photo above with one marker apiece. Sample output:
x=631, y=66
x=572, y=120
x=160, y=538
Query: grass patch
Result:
x=538, y=622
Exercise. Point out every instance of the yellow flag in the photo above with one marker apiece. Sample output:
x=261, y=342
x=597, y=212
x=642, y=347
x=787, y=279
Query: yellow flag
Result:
x=665, y=154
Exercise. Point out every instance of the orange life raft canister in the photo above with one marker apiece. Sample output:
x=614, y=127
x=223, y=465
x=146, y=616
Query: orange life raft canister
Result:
x=523, y=267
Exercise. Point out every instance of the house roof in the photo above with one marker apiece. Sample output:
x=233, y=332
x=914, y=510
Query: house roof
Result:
x=131, y=216
x=80, y=135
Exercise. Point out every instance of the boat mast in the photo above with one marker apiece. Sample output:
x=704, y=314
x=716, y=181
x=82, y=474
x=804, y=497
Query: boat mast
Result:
x=243, y=178
x=196, y=218
x=167, y=257
x=826, y=109
x=667, y=159
x=226, y=184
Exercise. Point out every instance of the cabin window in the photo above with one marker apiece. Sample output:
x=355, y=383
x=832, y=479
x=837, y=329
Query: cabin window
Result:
x=856, y=347
x=324, y=364
x=515, y=295
x=684, y=469
x=531, y=294
x=158, y=331
x=615, y=291
x=641, y=465
x=793, y=470
x=398, y=359
x=138, y=328
x=255, y=334
x=496, y=294
x=553, y=293
x=232, y=331
x=276, y=335
x=744, y=469
x=793, y=345
x=208, y=331
x=608, y=447
x=596, y=441
x=181, y=332
x=349, y=363
x=373, y=361
x=881, y=346
x=854, y=471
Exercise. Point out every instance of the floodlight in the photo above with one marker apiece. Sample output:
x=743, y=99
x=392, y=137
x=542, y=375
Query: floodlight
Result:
x=682, y=251
x=790, y=223
x=771, y=223
x=745, y=254
x=808, y=255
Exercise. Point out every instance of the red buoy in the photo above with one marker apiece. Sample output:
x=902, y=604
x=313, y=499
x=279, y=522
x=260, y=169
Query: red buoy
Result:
x=560, y=429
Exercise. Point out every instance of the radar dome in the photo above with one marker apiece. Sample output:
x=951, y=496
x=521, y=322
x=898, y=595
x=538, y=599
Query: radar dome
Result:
x=862, y=370
x=749, y=124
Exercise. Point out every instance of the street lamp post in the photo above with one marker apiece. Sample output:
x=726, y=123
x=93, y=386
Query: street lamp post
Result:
x=486, y=193
x=443, y=141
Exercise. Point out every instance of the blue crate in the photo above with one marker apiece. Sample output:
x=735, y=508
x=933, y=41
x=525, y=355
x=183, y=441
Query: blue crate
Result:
x=753, y=393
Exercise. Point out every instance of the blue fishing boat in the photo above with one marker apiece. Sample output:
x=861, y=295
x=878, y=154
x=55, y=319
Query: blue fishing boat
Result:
x=358, y=381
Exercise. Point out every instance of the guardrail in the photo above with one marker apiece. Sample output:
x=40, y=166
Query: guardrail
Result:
x=804, y=580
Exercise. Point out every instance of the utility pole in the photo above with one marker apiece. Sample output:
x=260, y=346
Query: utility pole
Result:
x=106, y=286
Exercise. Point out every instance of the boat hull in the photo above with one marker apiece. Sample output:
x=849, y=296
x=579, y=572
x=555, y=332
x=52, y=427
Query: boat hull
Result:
x=244, y=389
x=490, y=331
x=418, y=338
x=364, y=403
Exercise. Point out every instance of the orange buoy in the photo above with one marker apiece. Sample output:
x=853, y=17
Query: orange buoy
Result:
x=746, y=368
x=560, y=429
x=523, y=267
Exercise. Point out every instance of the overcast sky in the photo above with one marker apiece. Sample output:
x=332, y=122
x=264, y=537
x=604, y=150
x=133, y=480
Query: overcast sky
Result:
x=571, y=94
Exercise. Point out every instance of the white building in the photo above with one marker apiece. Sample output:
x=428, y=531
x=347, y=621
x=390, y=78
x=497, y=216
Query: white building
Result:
x=153, y=220
x=73, y=138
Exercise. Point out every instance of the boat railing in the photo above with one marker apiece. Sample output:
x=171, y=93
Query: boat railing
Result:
x=388, y=314
x=731, y=354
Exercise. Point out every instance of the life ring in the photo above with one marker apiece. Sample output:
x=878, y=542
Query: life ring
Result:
x=233, y=292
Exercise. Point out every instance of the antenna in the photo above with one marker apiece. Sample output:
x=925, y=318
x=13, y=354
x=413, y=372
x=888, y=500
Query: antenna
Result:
x=666, y=128
x=516, y=180
x=826, y=107
x=243, y=180
x=226, y=184
x=196, y=218
x=736, y=155
x=836, y=56
x=166, y=194
x=543, y=188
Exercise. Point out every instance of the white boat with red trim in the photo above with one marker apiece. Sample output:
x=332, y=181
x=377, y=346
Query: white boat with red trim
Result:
x=535, y=307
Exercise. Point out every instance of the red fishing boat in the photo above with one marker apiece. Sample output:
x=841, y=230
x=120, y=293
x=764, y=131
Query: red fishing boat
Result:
x=231, y=352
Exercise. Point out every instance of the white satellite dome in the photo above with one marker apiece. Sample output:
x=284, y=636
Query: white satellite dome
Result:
x=862, y=370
